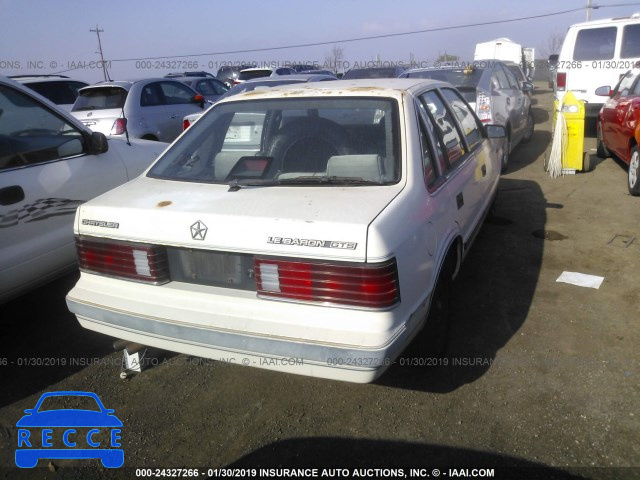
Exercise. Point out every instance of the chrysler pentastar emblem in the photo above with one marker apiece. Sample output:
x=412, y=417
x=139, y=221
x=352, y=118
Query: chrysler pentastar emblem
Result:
x=198, y=230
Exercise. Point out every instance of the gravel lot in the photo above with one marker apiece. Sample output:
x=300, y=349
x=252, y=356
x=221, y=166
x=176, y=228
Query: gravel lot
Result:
x=541, y=381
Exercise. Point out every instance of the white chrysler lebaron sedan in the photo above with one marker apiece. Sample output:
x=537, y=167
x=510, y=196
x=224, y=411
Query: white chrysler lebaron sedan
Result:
x=319, y=222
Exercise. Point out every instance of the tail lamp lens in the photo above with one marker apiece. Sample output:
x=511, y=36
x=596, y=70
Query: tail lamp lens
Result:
x=561, y=80
x=119, y=126
x=130, y=261
x=185, y=124
x=365, y=285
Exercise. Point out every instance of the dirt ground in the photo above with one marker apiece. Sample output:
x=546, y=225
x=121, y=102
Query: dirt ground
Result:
x=541, y=381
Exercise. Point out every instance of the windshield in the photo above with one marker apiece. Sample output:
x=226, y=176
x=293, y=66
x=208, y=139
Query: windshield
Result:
x=457, y=77
x=289, y=141
x=100, y=99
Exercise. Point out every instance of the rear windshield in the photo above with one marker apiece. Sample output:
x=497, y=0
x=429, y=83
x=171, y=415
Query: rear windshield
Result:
x=254, y=74
x=390, y=72
x=60, y=93
x=456, y=77
x=595, y=44
x=100, y=99
x=289, y=141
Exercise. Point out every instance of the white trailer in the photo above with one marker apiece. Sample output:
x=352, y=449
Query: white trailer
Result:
x=506, y=50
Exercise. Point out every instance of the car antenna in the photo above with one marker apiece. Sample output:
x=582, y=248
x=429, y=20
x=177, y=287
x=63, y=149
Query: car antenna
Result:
x=126, y=128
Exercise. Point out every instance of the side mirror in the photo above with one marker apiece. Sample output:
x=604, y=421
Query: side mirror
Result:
x=527, y=87
x=495, y=131
x=604, y=91
x=98, y=143
x=199, y=99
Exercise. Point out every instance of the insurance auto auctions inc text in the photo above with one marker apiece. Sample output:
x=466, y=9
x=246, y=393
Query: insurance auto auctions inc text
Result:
x=352, y=473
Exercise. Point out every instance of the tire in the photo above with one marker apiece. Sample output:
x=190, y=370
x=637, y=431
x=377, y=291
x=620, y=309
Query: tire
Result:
x=437, y=325
x=530, y=128
x=504, y=161
x=314, y=139
x=601, y=149
x=634, y=172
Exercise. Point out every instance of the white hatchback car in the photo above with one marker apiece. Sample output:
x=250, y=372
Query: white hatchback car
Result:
x=49, y=164
x=312, y=229
x=151, y=109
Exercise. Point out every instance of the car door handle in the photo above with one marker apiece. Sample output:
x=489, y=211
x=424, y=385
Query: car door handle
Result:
x=174, y=116
x=460, y=200
x=11, y=195
x=484, y=170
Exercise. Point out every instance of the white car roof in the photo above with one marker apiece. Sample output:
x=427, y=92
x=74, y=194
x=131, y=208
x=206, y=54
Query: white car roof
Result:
x=376, y=87
x=635, y=18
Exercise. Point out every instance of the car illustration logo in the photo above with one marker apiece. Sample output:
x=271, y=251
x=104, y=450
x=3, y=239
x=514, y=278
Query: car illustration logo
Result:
x=198, y=230
x=53, y=430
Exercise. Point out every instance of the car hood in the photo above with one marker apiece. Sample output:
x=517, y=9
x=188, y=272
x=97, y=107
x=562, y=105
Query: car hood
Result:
x=328, y=222
x=69, y=418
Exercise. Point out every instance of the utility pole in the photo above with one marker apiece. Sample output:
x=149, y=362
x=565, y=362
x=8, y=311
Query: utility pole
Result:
x=588, y=10
x=104, y=66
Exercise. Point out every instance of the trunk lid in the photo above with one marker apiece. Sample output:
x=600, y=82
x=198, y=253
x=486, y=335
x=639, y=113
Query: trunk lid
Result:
x=325, y=222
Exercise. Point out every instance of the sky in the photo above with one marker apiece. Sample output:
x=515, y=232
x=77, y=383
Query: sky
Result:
x=149, y=38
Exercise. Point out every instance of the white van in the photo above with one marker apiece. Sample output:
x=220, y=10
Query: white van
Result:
x=597, y=53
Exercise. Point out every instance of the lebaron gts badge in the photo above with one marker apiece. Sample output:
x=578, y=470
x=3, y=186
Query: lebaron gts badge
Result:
x=198, y=230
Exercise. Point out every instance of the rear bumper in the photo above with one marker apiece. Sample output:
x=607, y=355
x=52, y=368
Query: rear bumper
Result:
x=303, y=347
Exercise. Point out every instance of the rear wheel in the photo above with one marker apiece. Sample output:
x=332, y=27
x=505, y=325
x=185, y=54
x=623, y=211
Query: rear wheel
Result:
x=505, y=154
x=436, y=330
x=529, y=129
x=634, y=172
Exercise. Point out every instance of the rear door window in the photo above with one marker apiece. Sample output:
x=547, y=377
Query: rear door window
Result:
x=511, y=78
x=175, y=93
x=446, y=125
x=595, y=44
x=465, y=117
x=630, y=41
x=499, y=79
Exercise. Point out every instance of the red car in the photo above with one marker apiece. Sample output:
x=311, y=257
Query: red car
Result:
x=619, y=126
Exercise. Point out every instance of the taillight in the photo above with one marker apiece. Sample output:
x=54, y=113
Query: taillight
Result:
x=119, y=126
x=483, y=107
x=364, y=285
x=131, y=261
x=561, y=80
x=185, y=124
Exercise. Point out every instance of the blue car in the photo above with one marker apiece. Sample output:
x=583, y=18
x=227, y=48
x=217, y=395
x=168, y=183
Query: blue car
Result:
x=41, y=426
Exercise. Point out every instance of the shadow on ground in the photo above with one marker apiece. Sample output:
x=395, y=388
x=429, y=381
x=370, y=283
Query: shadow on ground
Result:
x=340, y=453
x=486, y=311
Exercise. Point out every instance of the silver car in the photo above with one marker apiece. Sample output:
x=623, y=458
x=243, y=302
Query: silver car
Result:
x=151, y=109
x=494, y=92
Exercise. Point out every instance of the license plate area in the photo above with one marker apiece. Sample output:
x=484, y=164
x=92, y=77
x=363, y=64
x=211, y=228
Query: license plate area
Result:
x=205, y=267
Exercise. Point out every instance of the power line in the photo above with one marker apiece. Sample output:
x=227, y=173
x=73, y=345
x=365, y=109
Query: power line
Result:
x=375, y=37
